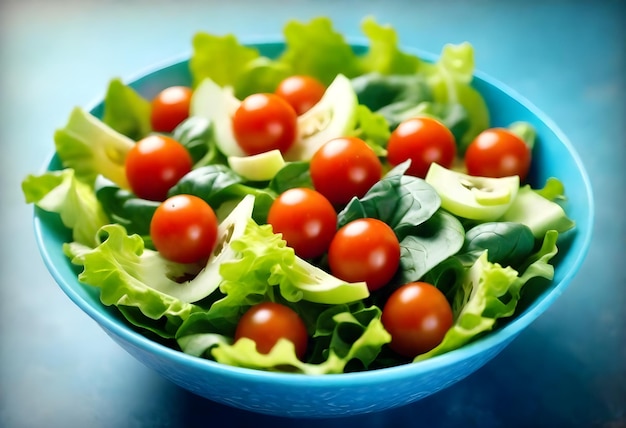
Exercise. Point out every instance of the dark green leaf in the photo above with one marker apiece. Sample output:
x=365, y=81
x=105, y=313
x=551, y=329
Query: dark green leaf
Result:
x=293, y=174
x=402, y=202
x=429, y=244
x=508, y=243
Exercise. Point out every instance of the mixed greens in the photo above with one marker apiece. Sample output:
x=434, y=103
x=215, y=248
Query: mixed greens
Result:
x=481, y=264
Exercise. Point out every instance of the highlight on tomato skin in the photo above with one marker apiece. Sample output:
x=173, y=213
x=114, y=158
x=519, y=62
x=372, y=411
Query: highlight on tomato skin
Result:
x=155, y=164
x=343, y=168
x=301, y=92
x=264, y=122
x=184, y=229
x=268, y=322
x=417, y=316
x=170, y=107
x=365, y=249
x=306, y=220
x=424, y=140
x=496, y=153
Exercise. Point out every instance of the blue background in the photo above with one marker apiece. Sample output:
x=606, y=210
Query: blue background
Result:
x=58, y=369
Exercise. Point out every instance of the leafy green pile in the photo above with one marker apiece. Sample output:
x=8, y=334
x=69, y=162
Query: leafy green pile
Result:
x=481, y=267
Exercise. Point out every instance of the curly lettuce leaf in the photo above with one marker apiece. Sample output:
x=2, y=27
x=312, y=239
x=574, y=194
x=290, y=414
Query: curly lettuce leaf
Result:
x=317, y=49
x=267, y=269
x=260, y=75
x=383, y=55
x=93, y=148
x=128, y=276
x=450, y=80
x=223, y=59
x=126, y=111
x=490, y=292
x=372, y=128
x=63, y=193
x=347, y=335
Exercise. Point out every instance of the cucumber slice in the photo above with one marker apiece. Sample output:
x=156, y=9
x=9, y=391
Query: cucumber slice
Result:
x=211, y=101
x=476, y=198
x=261, y=167
x=327, y=289
x=538, y=213
x=333, y=116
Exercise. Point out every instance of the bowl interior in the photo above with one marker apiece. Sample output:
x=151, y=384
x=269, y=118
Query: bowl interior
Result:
x=553, y=156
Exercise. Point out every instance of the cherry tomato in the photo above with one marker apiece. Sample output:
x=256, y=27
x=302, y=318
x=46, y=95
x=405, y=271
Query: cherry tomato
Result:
x=155, y=164
x=343, y=168
x=268, y=322
x=367, y=250
x=498, y=152
x=417, y=316
x=302, y=92
x=423, y=140
x=264, y=122
x=306, y=220
x=184, y=229
x=170, y=107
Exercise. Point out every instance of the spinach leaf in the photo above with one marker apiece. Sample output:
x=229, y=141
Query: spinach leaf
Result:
x=507, y=243
x=211, y=183
x=429, y=244
x=124, y=207
x=395, y=92
x=217, y=184
x=402, y=202
x=196, y=134
x=293, y=174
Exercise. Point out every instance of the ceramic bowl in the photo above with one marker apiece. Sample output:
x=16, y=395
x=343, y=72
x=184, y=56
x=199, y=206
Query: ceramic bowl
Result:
x=295, y=395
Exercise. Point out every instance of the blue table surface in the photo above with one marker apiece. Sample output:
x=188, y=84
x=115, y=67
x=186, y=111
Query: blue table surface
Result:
x=59, y=369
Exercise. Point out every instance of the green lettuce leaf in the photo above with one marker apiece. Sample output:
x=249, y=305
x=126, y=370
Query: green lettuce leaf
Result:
x=346, y=336
x=126, y=111
x=260, y=75
x=372, y=128
x=450, y=81
x=267, y=269
x=63, y=193
x=490, y=292
x=383, y=55
x=128, y=275
x=91, y=147
x=317, y=49
x=221, y=58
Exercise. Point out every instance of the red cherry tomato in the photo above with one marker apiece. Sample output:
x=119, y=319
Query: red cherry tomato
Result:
x=367, y=250
x=306, y=220
x=302, y=92
x=417, y=316
x=264, y=122
x=268, y=322
x=344, y=168
x=155, y=164
x=170, y=107
x=184, y=229
x=423, y=140
x=498, y=152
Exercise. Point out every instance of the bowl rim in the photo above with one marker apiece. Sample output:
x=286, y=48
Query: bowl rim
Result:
x=501, y=336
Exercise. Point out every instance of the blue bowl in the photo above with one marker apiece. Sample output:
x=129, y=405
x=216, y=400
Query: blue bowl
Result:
x=295, y=395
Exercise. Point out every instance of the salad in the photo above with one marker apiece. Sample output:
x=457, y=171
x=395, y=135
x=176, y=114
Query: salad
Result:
x=328, y=209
